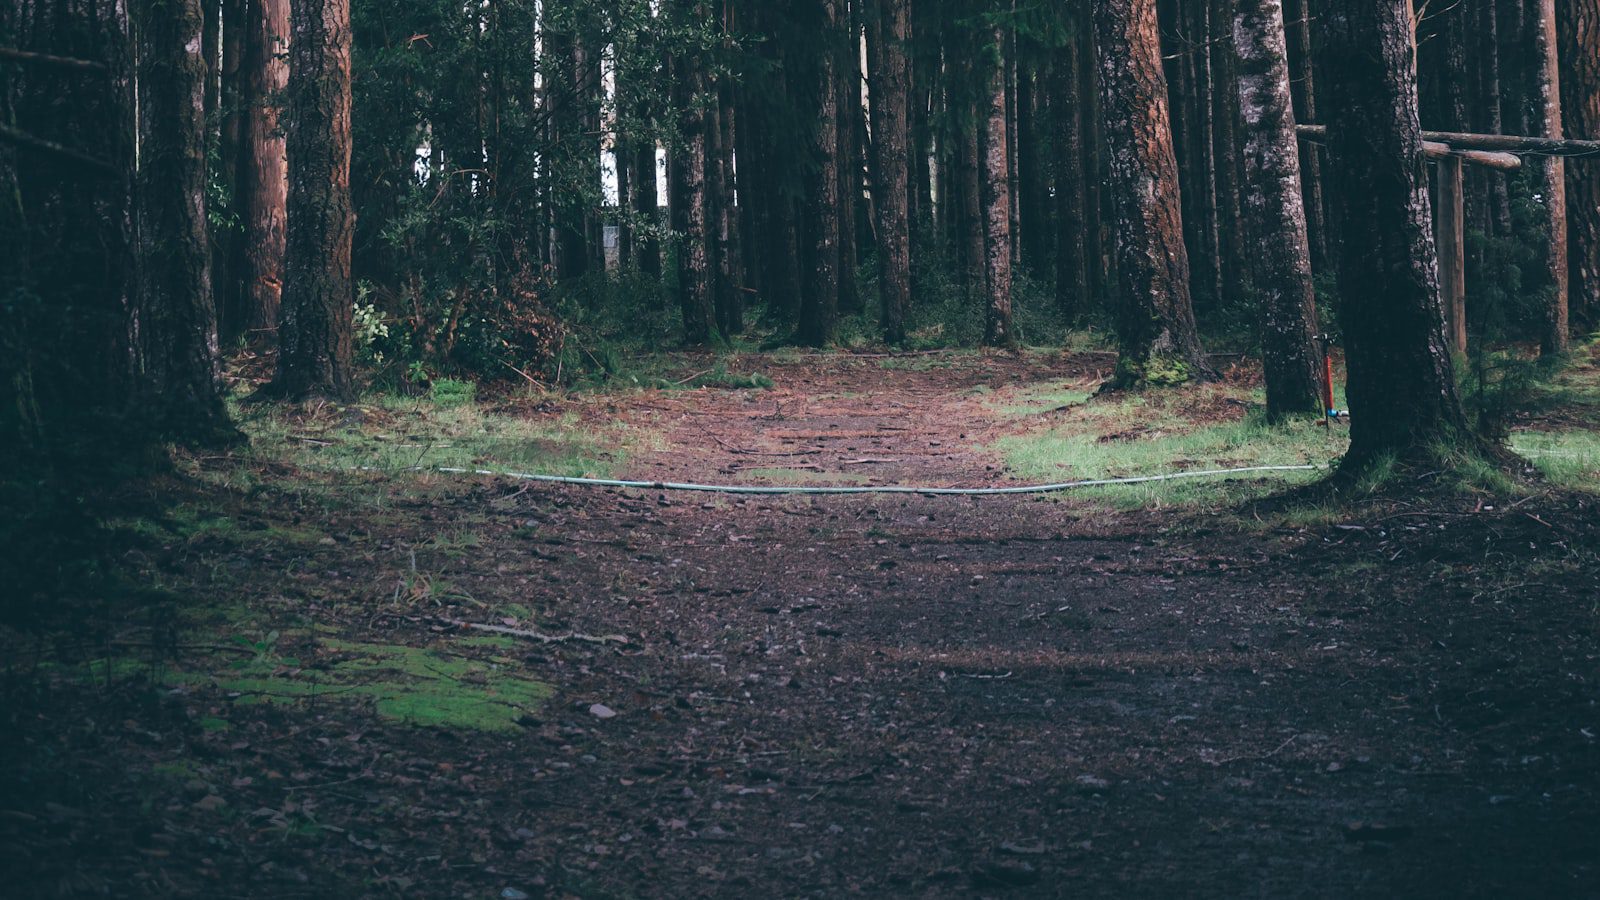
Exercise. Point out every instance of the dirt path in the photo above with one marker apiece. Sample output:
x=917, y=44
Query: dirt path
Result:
x=880, y=696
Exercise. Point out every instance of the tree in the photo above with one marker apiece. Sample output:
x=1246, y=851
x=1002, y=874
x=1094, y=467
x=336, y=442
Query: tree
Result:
x=314, y=341
x=819, y=304
x=1401, y=383
x=689, y=200
x=265, y=174
x=1552, y=174
x=998, y=330
x=890, y=72
x=176, y=312
x=1157, y=341
x=1580, y=86
x=1072, y=263
x=1275, y=213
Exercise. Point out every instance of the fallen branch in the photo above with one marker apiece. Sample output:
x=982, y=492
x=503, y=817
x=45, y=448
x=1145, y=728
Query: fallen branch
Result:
x=539, y=636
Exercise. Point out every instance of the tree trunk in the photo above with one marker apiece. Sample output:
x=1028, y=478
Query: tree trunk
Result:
x=1066, y=107
x=1401, y=385
x=1275, y=214
x=566, y=125
x=1552, y=178
x=819, y=304
x=314, y=342
x=178, y=359
x=851, y=187
x=264, y=180
x=998, y=330
x=1155, y=322
x=1230, y=208
x=1580, y=86
x=228, y=244
x=890, y=73
x=1033, y=190
x=647, y=207
x=1498, y=202
x=1297, y=25
x=689, y=200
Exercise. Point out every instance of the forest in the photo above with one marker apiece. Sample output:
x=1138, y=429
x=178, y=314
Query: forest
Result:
x=602, y=448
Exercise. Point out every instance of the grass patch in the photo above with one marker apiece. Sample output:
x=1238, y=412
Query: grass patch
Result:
x=1160, y=432
x=1570, y=459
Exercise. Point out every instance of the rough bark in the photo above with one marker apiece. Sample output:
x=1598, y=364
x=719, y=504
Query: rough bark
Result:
x=1274, y=212
x=689, y=202
x=998, y=330
x=228, y=244
x=566, y=123
x=647, y=207
x=967, y=211
x=314, y=343
x=1155, y=321
x=177, y=333
x=851, y=186
x=1072, y=264
x=819, y=302
x=1490, y=121
x=1580, y=87
x=890, y=72
x=264, y=178
x=1302, y=75
x=1401, y=385
x=1225, y=114
x=1552, y=178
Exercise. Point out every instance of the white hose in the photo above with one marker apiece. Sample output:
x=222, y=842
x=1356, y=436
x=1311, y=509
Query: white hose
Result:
x=876, y=489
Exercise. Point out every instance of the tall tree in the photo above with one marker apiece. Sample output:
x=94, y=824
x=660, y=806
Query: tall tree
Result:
x=890, y=73
x=265, y=173
x=1401, y=385
x=177, y=318
x=819, y=304
x=998, y=329
x=689, y=202
x=314, y=341
x=1072, y=264
x=1274, y=211
x=1156, y=333
x=1552, y=175
x=1580, y=87
x=1302, y=69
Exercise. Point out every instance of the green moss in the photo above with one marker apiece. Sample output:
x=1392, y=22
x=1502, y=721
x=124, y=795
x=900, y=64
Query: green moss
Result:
x=1158, y=371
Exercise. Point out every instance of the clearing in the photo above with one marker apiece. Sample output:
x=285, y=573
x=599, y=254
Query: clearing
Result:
x=1150, y=691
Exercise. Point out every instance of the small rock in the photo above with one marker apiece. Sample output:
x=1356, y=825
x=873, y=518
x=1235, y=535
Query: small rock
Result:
x=1093, y=781
x=602, y=711
x=513, y=894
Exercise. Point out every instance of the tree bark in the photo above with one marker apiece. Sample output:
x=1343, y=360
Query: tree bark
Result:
x=1066, y=106
x=314, y=342
x=1225, y=112
x=689, y=201
x=178, y=359
x=1401, y=384
x=890, y=72
x=1498, y=202
x=1552, y=179
x=264, y=179
x=1580, y=86
x=819, y=304
x=1297, y=25
x=1275, y=214
x=1156, y=333
x=851, y=187
x=998, y=330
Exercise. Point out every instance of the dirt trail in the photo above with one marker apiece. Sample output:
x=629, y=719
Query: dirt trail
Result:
x=900, y=696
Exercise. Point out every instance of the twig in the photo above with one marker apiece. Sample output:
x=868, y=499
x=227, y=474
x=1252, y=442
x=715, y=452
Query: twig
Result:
x=539, y=635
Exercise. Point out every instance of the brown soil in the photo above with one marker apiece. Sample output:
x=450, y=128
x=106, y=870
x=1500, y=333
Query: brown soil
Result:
x=878, y=696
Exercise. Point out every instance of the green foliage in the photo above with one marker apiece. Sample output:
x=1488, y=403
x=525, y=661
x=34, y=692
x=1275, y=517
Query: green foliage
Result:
x=451, y=392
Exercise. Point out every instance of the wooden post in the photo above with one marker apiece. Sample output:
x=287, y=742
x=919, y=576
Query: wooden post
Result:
x=1452, y=251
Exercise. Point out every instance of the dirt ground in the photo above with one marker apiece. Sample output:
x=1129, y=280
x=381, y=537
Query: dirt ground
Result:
x=899, y=695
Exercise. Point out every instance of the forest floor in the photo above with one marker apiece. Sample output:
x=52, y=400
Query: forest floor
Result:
x=1167, y=690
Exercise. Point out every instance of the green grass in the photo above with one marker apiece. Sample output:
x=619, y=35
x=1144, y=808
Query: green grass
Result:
x=1570, y=459
x=1156, y=432
x=785, y=476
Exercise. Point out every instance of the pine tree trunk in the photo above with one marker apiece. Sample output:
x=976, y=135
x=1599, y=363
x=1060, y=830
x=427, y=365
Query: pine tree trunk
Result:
x=571, y=251
x=229, y=246
x=998, y=330
x=314, y=355
x=177, y=351
x=1302, y=72
x=1072, y=265
x=890, y=73
x=264, y=179
x=689, y=200
x=1580, y=86
x=1498, y=201
x=1401, y=385
x=968, y=209
x=1230, y=206
x=1033, y=191
x=819, y=302
x=1274, y=212
x=646, y=206
x=850, y=172
x=1552, y=178
x=1155, y=322
x=732, y=258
